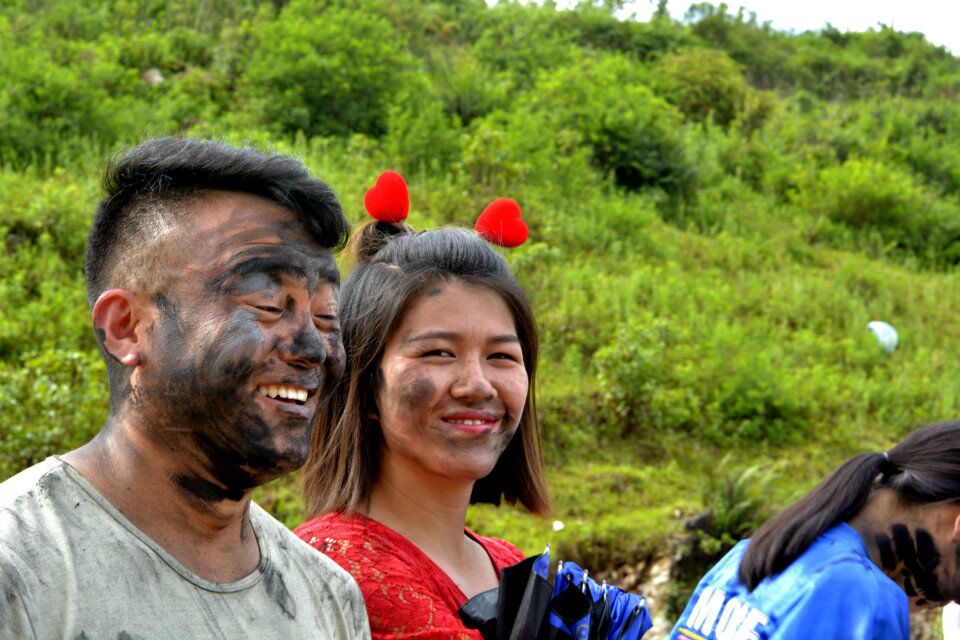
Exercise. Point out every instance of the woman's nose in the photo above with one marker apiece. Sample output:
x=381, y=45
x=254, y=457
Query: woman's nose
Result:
x=472, y=384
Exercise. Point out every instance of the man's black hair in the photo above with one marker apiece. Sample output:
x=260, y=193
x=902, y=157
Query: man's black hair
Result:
x=161, y=174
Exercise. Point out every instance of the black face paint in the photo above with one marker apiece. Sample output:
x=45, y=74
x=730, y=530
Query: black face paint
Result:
x=206, y=393
x=203, y=489
x=921, y=559
x=212, y=347
x=417, y=392
x=308, y=345
x=887, y=559
x=908, y=586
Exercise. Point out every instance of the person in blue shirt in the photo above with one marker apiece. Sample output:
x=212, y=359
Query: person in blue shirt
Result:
x=877, y=538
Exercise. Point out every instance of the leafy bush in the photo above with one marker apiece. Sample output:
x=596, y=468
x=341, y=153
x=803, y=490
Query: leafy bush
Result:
x=633, y=134
x=55, y=401
x=703, y=83
x=734, y=395
x=468, y=88
x=55, y=103
x=327, y=72
x=421, y=135
x=897, y=214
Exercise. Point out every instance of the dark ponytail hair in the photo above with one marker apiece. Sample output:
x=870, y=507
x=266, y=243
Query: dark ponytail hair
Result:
x=923, y=469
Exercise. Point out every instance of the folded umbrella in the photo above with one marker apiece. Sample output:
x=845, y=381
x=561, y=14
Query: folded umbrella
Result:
x=517, y=608
x=526, y=607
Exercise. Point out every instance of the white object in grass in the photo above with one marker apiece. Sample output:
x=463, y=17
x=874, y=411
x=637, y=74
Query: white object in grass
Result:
x=886, y=335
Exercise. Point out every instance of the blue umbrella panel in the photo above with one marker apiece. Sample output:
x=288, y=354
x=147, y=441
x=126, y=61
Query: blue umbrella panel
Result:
x=527, y=607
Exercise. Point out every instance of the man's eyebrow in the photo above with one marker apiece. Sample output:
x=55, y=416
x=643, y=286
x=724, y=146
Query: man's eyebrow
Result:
x=272, y=265
x=451, y=335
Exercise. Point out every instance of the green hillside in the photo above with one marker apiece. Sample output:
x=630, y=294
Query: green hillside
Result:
x=717, y=209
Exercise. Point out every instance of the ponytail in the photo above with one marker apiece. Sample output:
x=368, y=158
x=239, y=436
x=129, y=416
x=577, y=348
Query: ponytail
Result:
x=784, y=537
x=923, y=469
x=368, y=239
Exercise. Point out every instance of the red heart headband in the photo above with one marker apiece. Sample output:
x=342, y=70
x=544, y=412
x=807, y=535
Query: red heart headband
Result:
x=388, y=200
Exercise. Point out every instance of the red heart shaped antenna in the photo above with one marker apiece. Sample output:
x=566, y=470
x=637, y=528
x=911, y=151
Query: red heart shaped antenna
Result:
x=388, y=199
x=500, y=224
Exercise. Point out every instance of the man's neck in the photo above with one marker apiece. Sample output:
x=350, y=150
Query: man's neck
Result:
x=214, y=539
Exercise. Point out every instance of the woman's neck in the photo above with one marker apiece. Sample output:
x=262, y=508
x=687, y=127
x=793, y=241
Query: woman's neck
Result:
x=912, y=544
x=428, y=510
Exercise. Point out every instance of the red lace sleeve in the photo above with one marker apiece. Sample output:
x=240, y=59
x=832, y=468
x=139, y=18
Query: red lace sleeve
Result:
x=407, y=596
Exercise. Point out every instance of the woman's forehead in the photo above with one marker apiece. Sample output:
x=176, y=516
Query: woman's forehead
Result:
x=456, y=309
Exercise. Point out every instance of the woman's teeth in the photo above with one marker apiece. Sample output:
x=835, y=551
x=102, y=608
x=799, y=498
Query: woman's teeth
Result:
x=283, y=391
x=471, y=422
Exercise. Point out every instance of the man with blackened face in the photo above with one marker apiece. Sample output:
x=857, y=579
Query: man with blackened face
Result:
x=213, y=291
x=246, y=344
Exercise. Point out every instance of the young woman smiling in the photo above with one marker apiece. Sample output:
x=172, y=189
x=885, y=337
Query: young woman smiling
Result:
x=436, y=410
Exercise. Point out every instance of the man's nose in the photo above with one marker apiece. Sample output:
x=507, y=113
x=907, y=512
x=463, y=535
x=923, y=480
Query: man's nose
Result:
x=305, y=346
x=472, y=384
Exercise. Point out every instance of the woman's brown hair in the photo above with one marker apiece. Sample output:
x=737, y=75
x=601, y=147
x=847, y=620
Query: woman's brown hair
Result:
x=394, y=266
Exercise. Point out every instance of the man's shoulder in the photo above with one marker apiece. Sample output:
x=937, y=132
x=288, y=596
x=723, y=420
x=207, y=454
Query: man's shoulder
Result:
x=276, y=538
x=31, y=484
x=33, y=497
x=311, y=573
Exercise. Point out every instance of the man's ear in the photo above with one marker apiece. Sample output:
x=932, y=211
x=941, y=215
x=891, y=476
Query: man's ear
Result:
x=956, y=525
x=120, y=321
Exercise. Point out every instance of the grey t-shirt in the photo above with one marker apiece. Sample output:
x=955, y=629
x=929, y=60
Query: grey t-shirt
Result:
x=72, y=566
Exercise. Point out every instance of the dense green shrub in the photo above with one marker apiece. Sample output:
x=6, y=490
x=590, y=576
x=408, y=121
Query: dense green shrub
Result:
x=420, y=133
x=55, y=401
x=57, y=102
x=702, y=83
x=325, y=72
x=734, y=395
x=895, y=213
x=523, y=41
x=468, y=88
x=632, y=133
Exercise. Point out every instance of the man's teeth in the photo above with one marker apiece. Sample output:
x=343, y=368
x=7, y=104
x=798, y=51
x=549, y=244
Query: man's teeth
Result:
x=283, y=391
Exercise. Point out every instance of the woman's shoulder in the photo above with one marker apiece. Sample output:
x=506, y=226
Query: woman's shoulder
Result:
x=500, y=551
x=334, y=524
x=344, y=537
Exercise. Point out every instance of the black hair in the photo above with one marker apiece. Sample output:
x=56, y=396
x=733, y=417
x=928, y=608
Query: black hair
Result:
x=923, y=469
x=394, y=267
x=150, y=187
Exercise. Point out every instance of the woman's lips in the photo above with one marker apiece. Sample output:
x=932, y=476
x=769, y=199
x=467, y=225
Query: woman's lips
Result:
x=473, y=422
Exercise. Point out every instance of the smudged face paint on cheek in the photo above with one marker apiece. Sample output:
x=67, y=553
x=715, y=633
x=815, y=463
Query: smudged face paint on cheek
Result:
x=233, y=355
x=416, y=393
x=201, y=397
x=920, y=563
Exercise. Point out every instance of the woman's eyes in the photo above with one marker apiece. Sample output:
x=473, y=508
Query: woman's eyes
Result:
x=445, y=353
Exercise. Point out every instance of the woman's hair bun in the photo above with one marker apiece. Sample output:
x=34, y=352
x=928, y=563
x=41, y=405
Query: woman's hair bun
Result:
x=369, y=238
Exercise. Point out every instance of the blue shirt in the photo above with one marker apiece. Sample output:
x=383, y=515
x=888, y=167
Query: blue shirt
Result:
x=832, y=591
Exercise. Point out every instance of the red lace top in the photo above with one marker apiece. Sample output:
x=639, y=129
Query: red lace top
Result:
x=407, y=595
